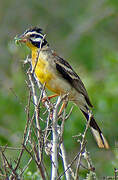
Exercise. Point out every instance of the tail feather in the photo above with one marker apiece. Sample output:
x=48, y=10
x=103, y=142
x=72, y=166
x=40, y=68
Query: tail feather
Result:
x=97, y=133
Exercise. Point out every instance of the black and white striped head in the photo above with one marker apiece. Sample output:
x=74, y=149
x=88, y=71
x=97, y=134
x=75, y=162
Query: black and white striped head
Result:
x=33, y=37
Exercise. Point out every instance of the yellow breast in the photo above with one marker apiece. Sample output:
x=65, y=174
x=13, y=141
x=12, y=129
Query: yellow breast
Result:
x=41, y=70
x=44, y=73
x=47, y=74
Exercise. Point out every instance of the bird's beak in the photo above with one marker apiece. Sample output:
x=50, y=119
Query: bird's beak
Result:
x=21, y=38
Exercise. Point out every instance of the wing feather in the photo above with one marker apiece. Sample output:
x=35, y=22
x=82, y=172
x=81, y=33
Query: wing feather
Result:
x=64, y=68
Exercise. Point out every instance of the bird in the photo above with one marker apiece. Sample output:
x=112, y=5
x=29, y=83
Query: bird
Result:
x=59, y=77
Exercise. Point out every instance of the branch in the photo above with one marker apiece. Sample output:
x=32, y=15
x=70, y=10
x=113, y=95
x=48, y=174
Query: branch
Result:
x=69, y=166
x=9, y=165
x=55, y=140
x=65, y=162
x=36, y=105
x=82, y=146
x=10, y=148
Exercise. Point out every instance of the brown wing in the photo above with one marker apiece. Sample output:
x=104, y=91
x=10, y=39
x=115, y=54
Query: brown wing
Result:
x=66, y=71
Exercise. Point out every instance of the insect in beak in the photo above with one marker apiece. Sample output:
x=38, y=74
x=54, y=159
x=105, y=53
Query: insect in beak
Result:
x=19, y=39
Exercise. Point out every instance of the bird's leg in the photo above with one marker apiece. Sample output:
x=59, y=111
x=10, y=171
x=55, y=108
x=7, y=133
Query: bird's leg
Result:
x=52, y=96
x=48, y=98
x=62, y=107
x=60, y=111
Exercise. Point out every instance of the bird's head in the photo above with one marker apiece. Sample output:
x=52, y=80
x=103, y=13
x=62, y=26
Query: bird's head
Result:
x=33, y=38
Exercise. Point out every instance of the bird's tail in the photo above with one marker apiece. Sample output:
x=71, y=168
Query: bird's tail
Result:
x=97, y=133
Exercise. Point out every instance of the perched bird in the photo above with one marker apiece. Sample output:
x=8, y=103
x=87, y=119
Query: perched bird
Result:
x=59, y=77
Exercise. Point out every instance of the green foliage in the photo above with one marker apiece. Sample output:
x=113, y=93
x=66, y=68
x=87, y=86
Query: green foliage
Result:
x=28, y=175
x=86, y=34
x=91, y=176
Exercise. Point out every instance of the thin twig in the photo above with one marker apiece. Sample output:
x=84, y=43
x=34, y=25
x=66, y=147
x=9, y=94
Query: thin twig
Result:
x=36, y=102
x=36, y=108
x=62, y=148
x=26, y=166
x=70, y=112
x=9, y=165
x=4, y=166
x=25, y=133
x=40, y=165
x=75, y=158
x=82, y=145
x=65, y=162
x=89, y=161
x=10, y=148
x=30, y=153
x=62, y=126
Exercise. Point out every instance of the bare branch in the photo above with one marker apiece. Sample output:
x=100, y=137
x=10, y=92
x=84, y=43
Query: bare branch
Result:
x=65, y=162
x=26, y=166
x=25, y=133
x=82, y=145
x=36, y=102
x=75, y=158
x=55, y=140
x=9, y=165
x=10, y=148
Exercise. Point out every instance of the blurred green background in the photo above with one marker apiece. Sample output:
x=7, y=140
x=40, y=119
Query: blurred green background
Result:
x=86, y=34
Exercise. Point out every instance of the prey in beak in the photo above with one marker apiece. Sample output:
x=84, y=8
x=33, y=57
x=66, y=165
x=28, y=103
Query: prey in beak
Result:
x=20, y=39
